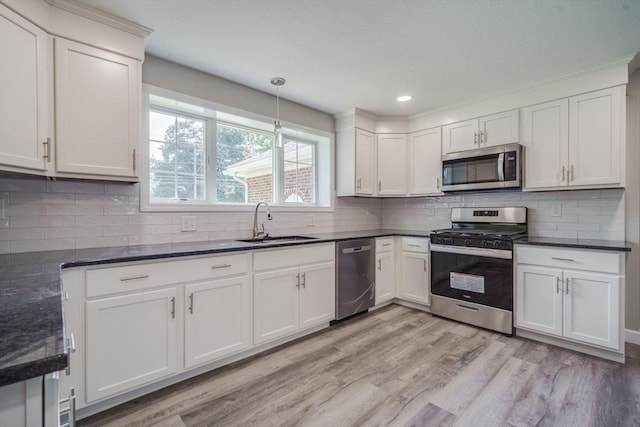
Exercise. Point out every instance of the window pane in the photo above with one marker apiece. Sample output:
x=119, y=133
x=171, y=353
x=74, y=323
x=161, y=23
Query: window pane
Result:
x=298, y=172
x=244, y=165
x=177, y=157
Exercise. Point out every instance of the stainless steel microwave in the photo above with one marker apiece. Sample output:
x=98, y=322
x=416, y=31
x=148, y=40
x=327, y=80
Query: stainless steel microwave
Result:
x=490, y=168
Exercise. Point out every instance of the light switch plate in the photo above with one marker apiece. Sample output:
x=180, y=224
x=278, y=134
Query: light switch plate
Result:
x=188, y=223
x=556, y=210
x=310, y=221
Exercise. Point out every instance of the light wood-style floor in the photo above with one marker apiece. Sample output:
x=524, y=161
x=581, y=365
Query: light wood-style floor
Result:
x=400, y=367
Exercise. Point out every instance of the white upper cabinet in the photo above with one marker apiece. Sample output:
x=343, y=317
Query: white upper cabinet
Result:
x=25, y=100
x=94, y=94
x=392, y=162
x=425, y=164
x=486, y=131
x=365, y=163
x=596, y=137
x=97, y=110
x=575, y=142
x=545, y=136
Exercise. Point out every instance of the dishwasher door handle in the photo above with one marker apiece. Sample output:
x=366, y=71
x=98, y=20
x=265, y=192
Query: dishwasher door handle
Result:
x=356, y=249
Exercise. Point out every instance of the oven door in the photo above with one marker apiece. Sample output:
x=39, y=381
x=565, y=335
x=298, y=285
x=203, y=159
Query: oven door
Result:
x=478, y=275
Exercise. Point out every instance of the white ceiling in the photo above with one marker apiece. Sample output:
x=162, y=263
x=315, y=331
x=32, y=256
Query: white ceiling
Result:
x=340, y=54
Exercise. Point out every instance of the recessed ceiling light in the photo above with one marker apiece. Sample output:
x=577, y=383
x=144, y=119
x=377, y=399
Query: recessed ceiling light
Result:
x=404, y=98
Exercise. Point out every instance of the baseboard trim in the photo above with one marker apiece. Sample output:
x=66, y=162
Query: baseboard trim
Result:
x=632, y=336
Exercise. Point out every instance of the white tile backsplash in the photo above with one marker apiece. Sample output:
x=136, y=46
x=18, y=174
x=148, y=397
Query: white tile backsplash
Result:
x=49, y=215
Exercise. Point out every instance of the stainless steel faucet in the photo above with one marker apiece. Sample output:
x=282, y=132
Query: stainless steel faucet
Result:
x=256, y=232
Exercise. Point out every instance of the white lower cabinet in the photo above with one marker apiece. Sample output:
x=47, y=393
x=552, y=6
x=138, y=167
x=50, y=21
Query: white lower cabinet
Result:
x=414, y=270
x=217, y=319
x=574, y=294
x=385, y=270
x=131, y=341
x=292, y=293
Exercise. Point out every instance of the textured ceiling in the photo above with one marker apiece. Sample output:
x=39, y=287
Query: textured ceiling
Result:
x=340, y=54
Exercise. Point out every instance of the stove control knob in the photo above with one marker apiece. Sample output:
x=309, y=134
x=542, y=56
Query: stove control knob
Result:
x=447, y=241
x=467, y=242
x=496, y=244
x=486, y=243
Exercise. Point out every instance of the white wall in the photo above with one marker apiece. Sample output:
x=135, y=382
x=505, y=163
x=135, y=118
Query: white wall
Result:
x=51, y=215
x=590, y=214
x=632, y=203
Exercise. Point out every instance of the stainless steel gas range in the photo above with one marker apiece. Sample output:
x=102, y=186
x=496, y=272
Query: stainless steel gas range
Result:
x=472, y=266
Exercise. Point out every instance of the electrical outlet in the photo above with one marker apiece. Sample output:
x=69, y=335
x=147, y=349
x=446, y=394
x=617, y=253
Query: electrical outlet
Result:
x=188, y=223
x=556, y=210
x=310, y=221
x=2, y=214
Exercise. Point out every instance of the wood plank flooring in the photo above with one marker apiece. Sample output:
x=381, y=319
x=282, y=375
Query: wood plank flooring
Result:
x=399, y=367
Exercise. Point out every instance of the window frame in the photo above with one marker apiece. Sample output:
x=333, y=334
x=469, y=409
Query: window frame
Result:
x=292, y=132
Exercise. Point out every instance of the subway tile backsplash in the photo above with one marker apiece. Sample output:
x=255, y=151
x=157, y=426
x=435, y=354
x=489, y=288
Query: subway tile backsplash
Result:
x=49, y=215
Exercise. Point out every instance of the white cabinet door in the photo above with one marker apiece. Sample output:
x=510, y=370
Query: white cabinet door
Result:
x=131, y=341
x=385, y=277
x=596, y=137
x=392, y=165
x=97, y=110
x=497, y=129
x=365, y=162
x=425, y=164
x=25, y=99
x=317, y=294
x=545, y=136
x=275, y=304
x=539, y=293
x=460, y=136
x=415, y=277
x=592, y=307
x=217, y=319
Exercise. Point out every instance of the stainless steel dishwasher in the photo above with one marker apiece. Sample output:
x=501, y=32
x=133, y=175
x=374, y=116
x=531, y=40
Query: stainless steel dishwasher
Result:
x=355, y=276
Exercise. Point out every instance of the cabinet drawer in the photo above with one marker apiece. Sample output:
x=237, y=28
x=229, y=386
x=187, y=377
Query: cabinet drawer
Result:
x=384, y=244
x=113, y=280
x=303, y=254
x=415, y=244
x=575, y=259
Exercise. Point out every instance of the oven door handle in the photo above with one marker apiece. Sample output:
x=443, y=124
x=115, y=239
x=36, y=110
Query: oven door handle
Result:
x=482, y=252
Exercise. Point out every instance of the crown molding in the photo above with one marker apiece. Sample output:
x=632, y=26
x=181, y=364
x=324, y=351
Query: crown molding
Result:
x=101, y=16
x=634, y=64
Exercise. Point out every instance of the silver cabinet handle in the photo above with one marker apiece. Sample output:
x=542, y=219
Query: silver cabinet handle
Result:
x=304, y=280
x=359, y=183
x=483, y=137
x=563, y=171
x=47, y=150
x=71, y=348
x=191, y=303
x=566, y=291
x=298, y=281
x=142, y=276
x=425, y=265
x=379, y=264
x=557, y=285
x=563, y=259
x=572, y=177
x=134, y=159
x=413, y=245
x=173, y=307
x=386, y=244
x=379, y=185
x=438, y=183
x=475, y=138
x=215, y=267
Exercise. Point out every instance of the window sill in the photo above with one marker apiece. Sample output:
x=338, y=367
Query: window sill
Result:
x=192, y=207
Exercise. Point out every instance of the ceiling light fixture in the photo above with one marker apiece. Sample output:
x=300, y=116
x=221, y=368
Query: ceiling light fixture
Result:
x=404, y=98
x=277, y=131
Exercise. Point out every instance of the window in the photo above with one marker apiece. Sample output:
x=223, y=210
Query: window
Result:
x=200, y=156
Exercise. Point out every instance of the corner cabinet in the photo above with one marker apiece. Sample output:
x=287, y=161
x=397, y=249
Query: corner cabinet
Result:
x=391, y=154
x=294, y=289
x=26, y=103
x=576, y=142
x=98, y=116
x=571, y=293
x=486, y=131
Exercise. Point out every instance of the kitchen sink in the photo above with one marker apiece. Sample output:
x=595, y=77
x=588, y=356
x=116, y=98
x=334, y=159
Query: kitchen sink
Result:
x=277, y=239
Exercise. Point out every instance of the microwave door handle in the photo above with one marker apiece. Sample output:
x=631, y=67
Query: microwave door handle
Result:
x=501, y=167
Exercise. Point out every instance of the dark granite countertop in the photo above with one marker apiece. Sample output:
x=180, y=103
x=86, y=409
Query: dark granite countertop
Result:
x=605, y=245
x=31, y=321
